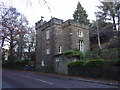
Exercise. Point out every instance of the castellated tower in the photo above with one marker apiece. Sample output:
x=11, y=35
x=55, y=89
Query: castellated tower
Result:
x=53, y=38
x=46, y=37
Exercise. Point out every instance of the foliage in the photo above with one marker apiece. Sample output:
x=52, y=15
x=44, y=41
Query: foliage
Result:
x=92, y=54
x=109, y=10
x=106, y=21
x=87, y=63
x=94, y=63
x=14, y=27
x=73, y=54
x=77, y=63
x=88, y=54
x=114, y=62
x=20, y=38
x=80, y=15
x=117, y=62
x=105, y=54
x=16, y=63
x=109, y=73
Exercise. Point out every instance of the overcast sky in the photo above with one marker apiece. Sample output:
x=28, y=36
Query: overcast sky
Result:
x=62, y=9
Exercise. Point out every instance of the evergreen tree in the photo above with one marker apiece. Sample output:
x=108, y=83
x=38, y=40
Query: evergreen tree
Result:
x=80, y=15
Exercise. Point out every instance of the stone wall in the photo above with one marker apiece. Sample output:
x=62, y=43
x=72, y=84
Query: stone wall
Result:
x=61, y=64
x=70, y=37
x=62, y=34
x=42, y=43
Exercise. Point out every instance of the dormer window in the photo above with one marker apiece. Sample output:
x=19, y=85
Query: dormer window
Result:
x=80, y=33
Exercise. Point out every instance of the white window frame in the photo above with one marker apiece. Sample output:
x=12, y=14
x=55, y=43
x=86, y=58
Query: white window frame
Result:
x=80, y=33
x=47, y=34
x=47, y=51
x=42, y=63
x=60, y=49
x=81, y=45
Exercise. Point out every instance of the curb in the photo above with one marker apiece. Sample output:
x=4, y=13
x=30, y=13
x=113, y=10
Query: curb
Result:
x=85, y=80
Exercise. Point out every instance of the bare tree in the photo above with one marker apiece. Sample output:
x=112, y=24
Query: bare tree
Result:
x=30, y=39
x=15, y=31
x=9, y=28
x=23, y=29
x=14, y=28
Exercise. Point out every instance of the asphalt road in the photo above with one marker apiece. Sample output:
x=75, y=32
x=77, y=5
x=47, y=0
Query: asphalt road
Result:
x=20, y=79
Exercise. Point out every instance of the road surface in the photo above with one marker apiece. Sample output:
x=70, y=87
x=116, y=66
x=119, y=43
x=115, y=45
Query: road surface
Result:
x=20, y=79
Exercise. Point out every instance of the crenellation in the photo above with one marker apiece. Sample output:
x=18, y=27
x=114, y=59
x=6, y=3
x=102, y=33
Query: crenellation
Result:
x=43, y=25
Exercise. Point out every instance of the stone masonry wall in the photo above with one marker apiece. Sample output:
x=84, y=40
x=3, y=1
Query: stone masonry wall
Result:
x=62, y=34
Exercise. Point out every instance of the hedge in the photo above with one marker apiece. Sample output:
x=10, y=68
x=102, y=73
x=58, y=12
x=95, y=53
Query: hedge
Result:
x=94, y=63
x=15, y=63
x=87, y=63
x=97, y=68
x=109, y=73
x=77, y=63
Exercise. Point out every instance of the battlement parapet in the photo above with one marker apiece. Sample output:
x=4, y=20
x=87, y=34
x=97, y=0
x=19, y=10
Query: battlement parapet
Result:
x=42, y=25
x=73, y=23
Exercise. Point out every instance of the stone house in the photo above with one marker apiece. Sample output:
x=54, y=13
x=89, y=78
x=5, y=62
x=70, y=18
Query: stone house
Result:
x=54, y=37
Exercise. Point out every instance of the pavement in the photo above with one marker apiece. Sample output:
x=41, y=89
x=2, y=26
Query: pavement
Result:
x=85, y=79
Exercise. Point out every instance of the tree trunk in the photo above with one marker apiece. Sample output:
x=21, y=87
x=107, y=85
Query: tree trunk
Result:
x=99, y=44
x=3, y=39
x=11, y=46
x=21, y=44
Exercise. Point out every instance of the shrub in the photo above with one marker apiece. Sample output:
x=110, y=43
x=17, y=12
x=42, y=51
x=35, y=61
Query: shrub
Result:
x=68, y=53
x=106, y=54
x=99, y=52
x=15, y=63
x=77, y=63
x=73, y=54
x=115, y=62
x=25, y=62
x=94, y=63
x=88, y=63
x=87, y=54
x=7, y=64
